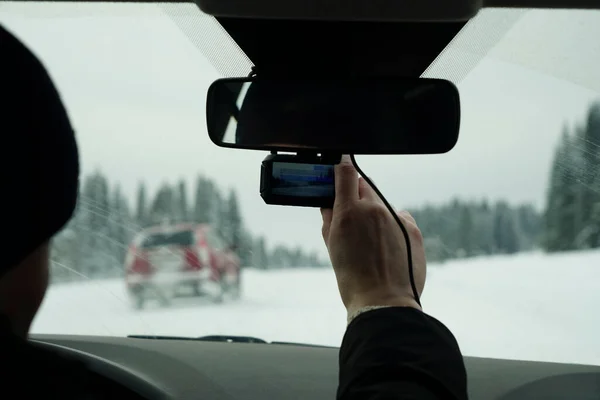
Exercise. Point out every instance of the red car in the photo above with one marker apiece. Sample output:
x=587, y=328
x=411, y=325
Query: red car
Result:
x=164, y=262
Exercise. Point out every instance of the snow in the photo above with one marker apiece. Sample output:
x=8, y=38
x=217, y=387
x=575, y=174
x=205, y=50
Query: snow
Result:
x=529, y=306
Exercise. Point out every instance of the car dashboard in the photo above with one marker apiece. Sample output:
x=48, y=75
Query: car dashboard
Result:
x=190, y=369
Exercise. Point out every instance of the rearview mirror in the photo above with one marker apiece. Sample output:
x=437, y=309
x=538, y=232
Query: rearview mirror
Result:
x=342, y=115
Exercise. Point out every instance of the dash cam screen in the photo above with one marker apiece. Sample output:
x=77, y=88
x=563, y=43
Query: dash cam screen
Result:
x=302, y=180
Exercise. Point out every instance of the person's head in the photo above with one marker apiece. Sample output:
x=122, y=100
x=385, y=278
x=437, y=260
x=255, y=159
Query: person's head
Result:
x=40, y=171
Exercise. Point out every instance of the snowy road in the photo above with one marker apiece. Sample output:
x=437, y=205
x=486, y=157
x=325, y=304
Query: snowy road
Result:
x=530, y=306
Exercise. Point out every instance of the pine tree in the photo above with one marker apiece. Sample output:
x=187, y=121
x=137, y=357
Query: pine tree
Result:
x=220, y=215
x=120, y=226
x=589, y=141
x=65, y=264
x=183, y=210
x=142, y=206
x=529, y=224
x=312, y=260
x=506, y=235
x=551, y=240
x=436, y=250
x=234, y=219
x=569, y=216
x=64, y=256
x=204, y=206
x=259, y=255
x=512, y=237
x=451, y=226
x=561, y=217
x=595, y=223
x=484, y=229
x=465, y=231
x=246, y=248
x=96, y=241
x=161, y=210
x=296, y=257
x=280, y=257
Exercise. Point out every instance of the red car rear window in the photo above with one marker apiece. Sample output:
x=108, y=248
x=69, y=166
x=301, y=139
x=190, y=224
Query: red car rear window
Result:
x=181, y=238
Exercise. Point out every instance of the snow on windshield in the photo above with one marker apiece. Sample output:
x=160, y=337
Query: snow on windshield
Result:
x=511, y=216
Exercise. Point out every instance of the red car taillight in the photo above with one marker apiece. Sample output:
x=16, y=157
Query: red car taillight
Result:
x=192, y=261
x=140, y=264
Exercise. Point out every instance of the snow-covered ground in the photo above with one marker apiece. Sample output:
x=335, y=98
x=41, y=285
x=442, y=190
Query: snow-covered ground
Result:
x=529, y=306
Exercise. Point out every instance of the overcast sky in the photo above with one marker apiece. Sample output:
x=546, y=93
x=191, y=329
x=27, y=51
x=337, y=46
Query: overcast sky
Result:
x=135, y=85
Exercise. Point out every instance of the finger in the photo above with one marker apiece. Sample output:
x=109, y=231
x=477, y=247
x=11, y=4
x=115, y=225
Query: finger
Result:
x=327, y=214
x=346, y=181
x=365, y=191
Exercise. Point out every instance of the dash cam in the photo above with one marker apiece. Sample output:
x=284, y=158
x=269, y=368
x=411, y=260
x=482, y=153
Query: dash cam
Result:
x=298, y=180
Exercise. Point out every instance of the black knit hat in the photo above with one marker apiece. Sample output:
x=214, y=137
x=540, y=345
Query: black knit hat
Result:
x=39, y=160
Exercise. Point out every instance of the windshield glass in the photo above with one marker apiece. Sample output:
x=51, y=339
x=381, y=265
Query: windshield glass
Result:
x=511, y=216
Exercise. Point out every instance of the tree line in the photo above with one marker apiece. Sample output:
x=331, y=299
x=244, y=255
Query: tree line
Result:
x=572, y=216
x=95, y=242
x=570, y=220
x=461, y=229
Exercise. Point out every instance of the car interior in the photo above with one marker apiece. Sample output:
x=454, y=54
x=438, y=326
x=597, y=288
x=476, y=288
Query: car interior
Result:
x=399, y=39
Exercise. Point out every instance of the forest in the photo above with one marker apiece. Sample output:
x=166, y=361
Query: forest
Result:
x=572, y=215
x=570, y=220
x=462, y=229
x=95, y=241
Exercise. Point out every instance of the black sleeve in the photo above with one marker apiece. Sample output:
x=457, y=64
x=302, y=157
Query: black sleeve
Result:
x=400, y=353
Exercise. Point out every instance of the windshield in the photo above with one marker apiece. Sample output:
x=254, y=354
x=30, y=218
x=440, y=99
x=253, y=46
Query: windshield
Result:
x=511, y=216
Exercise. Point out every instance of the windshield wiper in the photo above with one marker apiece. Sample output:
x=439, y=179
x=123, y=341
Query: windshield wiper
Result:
x=224, y=339
x=210, y=338
x=231, y=339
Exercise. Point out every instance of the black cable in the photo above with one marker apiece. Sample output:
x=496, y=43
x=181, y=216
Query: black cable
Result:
x=411, y=274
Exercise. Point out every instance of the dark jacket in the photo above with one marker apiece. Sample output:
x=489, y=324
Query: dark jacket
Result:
x=400, y=353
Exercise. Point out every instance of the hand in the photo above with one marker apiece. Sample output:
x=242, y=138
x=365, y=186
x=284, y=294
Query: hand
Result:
x=367, y=247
